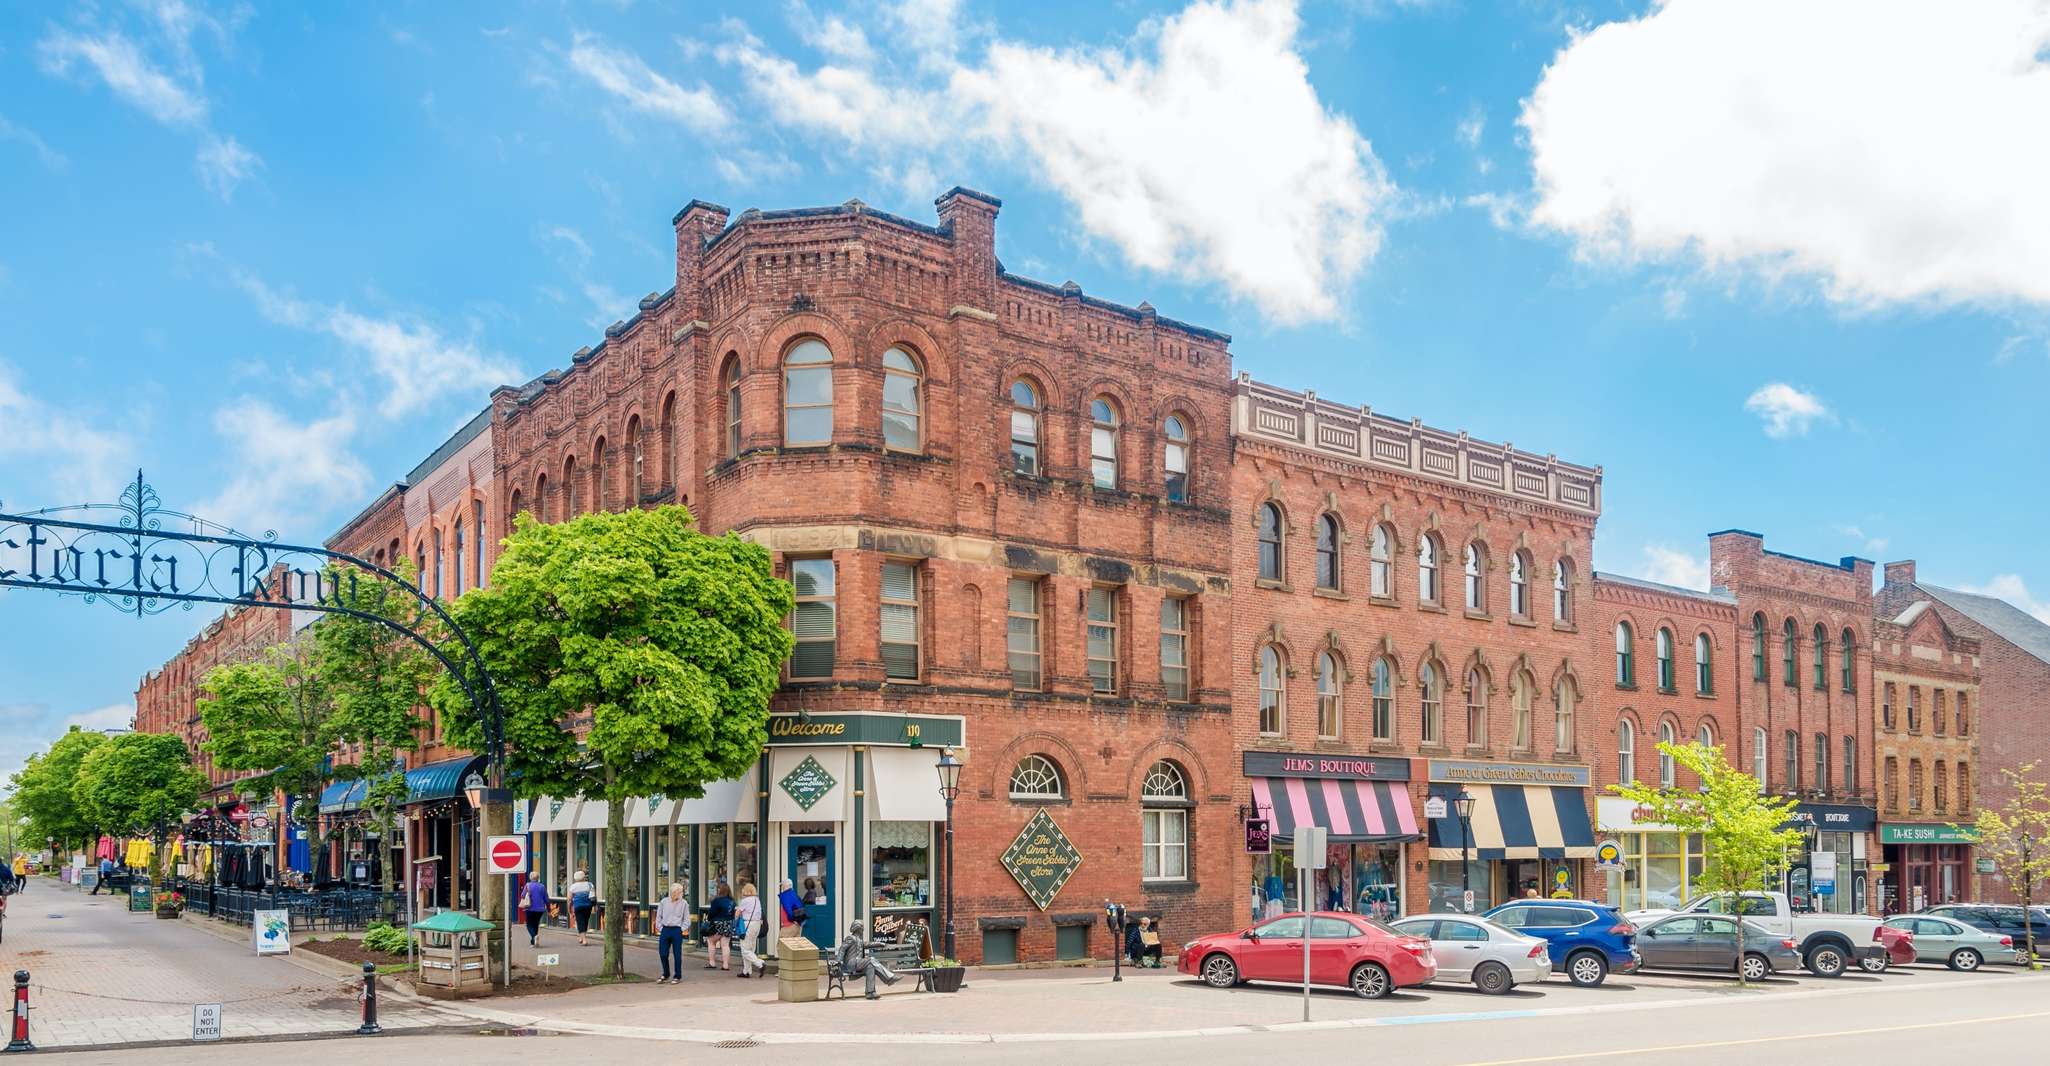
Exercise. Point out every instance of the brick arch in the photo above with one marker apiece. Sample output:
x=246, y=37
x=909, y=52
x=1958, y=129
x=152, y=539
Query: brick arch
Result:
x=1181, y=754
x=1477, y=662
x=785, y=332
x=1038, y=742
x=1119, y=394
x=1715, y=729
x=933, y=358
x=1566, y=672
x=1041, y=375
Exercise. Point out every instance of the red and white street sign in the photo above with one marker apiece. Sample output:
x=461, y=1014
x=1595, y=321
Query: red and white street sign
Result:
x=506, y=855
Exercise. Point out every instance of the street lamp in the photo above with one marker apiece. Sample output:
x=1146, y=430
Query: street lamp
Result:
x=1463, y=806
x=950, y=786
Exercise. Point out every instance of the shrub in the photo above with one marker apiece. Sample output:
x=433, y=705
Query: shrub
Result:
x=385, y=937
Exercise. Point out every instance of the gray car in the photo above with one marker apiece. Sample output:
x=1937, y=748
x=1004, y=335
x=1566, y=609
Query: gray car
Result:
x=1954, y=944
x=1709, y=942
x=1471, y=948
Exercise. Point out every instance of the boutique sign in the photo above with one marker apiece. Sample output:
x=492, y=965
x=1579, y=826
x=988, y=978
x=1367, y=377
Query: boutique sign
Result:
x=1310, y=764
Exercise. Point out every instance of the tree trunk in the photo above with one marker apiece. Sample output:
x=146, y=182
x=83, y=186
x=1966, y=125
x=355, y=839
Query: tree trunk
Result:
x=614, y=927
x=1737, y=910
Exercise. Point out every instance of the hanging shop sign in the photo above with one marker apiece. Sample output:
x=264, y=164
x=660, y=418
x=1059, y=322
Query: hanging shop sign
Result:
x=1259, y=837
x=1311, y=764
x=1833, y=817
x=1042, y=859
x=1608, y=855
x=1930, y=833
x=807, y=783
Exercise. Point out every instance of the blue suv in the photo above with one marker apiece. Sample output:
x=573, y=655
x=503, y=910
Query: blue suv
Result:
x=1587, y=940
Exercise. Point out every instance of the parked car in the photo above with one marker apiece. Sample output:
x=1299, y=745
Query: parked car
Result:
x=1585, y=940
x=1899, y=945
x=2005, y=919
x=1829, y=942
x=1471, y=948
x=1346, y=950
x=1954, y=944
x=1709, y=942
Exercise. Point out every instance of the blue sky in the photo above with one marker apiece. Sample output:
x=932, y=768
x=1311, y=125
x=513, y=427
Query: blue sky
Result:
x=1783, y=269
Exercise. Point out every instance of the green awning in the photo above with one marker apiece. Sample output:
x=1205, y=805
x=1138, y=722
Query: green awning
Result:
x=440, y=780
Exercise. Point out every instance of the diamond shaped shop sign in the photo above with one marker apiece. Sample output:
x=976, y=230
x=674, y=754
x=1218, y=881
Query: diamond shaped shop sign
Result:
x=807, y=782
x=1042, y=858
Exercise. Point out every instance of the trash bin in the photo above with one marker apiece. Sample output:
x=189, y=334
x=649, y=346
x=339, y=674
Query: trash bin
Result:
x=797, y=970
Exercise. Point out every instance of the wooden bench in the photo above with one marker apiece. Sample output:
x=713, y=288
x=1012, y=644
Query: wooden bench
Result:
x=903, y=959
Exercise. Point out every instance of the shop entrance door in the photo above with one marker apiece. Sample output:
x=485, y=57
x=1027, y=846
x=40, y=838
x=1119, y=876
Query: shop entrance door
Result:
x=811, y=871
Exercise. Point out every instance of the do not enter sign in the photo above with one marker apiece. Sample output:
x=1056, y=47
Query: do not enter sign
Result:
x=506, y=855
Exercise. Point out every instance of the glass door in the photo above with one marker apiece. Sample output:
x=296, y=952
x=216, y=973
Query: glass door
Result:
x=811, y=871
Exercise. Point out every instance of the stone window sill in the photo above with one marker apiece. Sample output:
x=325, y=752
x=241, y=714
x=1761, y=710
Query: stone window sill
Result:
x=1329, y=594
x=1518, y=621
x=1479, y=616
x=1434, y=608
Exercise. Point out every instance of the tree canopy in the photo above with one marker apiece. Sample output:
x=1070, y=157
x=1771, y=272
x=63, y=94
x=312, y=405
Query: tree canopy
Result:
x=2016, y=836
x=139, y=784
x=634, y=656
x=43, y=788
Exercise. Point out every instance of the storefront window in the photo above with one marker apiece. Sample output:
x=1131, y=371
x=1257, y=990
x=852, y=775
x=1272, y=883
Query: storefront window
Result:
x=715, y=860
x=1274, y=883
x=745, y=871
x=586, y=854
x=1659, y=870
x=900, y=865
x=660, y=875
x=636, y=861
x=1447, y=887
x=560, y=843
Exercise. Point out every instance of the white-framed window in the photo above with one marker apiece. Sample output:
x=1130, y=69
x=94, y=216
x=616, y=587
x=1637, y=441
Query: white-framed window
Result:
x=900, y=621
x=1174, y=647
x=1821, y=745
x=1626, y=751
x=1759, y=756
x=461, y=548
x=1476, y=565
x=1427, y=568
x=814, y=621
x=1706, y=735
x=1329, y=699
x=1174, y=459
x=1381, y=556
x=1025, y=408
x=903, y=401
x=1666, y=768
x=1562, y=592
x=732, y=377
x=1476, y=709
x=1626, y=655
x=1327, y=552
x=1384, y=700
x=1563, y=703
x=1164, y=823
x=1520, y=696
x=1704, y=665
x=478, y=569
x=1519, y=584
x=1431, y=694
x=1021, y=636
x=808, y=394
x=1664, y=649
x=1273, y=697
x=1103, y=443
x=1102, y=603
x=1036, y=777
x=1271, y=556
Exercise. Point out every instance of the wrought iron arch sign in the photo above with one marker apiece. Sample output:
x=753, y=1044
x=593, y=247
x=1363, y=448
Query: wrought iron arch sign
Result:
x=121, y=554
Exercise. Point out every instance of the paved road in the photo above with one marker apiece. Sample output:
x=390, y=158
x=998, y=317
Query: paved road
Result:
x=1959, y=1020
x=100, y=975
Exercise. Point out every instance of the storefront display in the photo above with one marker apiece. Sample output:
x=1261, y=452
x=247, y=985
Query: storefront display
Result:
x=1364, y=806
x=1828, y=872
x=1930, y=863
x=1661, y=866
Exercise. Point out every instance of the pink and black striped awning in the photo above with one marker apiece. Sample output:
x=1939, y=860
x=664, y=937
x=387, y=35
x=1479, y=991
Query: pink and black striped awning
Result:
x=1350, y=810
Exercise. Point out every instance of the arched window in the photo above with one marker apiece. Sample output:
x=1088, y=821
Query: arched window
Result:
x=1273, y=697
x=1427, y=568
x=1626, y=667
x=1563, y=705
x=672, y=434
x=903, y=393
x=477, y=557
x=420, y=566
x=1328, y=695
x=1103, y=443
x=1758, y=756
x=440, y=556
x=543, y=510
x=1666, y=766
x=1706, y=735
x=1164, y=823
x=1848, y=661
x=1663, y=646
x=1476, y=709
x=1431, y=695
x=1704, y=665
x=570, y=500
x=1790, y=761
x=1562, y=592
x=1789, y=652
x=1626, y=751
x=1758, y=647
x=601, y=476
x=460, y=546
x=1327, y=552
x=1270, y=542
x=1476, y=565
x=1851, y=765
x=1520, y=689
x=1821, y=657
x=1821, y=760
x=1025, y=407
x=1519, y=584
x=1380, y=556
x=634, y=462
x=808, y=394
x=733, y=408
x=1384, y=700
x=1174, y=458
x=1036, y=777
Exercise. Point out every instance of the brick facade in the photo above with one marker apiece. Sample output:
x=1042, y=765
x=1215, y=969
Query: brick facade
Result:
x=1925, y=678
x=1675, y=700
x=167, y=700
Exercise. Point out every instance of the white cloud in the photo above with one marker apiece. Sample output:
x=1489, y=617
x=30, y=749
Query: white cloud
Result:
x=844, y=102
x=1889, y=149
x=223, y=164
x=2014, y=590
x=79, y=461
x=127, y=73
x=411, y=357
x=1786, y=410
x=834, y=36
x=286, y=474
x=1871, y=545
x=1472, y=127
x=112, y=716
x=50, y=157
x=1671, y=566
x=626, y=76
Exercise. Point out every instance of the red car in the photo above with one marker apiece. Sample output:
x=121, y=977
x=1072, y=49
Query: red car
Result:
x=1346, y=950
x=1899, y=945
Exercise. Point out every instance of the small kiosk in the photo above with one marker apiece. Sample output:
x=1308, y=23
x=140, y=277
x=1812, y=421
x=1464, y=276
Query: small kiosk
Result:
x=453, y=948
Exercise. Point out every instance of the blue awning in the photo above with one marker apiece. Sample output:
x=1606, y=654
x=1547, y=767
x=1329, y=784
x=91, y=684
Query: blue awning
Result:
x=343, y=796
x=440, y=780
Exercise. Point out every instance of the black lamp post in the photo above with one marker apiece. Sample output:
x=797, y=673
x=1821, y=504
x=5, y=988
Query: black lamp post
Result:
x=1463, y=806
x=950, y=787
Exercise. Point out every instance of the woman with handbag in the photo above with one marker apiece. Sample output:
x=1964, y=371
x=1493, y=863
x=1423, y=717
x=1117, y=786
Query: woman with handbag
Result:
x=717, y=948
x=747, y=925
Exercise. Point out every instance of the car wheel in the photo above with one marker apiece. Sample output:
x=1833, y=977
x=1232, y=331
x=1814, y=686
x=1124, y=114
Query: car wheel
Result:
x=1370, y=981
x=1826, y=961
x=1965, y=960
x=1493, y=978
x=1219, y=971
x=1587, y=969
x=2023, y=958
x=1755, y=968
x=1875, y=963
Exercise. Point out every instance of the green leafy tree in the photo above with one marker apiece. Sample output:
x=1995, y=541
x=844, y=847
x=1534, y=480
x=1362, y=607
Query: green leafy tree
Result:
x=43, y=789
x=139, y=784
x=634, y=656
x=273, y=715
x=2016, y=836
x=1745, y=838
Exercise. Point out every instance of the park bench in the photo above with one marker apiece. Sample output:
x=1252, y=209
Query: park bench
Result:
x=904, y=959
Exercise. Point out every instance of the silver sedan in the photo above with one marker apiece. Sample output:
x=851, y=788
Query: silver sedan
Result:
x=1471, y=948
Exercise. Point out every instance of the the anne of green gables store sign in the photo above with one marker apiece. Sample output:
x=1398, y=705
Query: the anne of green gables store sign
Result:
x=1042, y=858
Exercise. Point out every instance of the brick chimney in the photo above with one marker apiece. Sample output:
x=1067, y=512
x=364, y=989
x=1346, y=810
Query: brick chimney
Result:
x=970, y=218
x=1901, y=573
x=696, y=225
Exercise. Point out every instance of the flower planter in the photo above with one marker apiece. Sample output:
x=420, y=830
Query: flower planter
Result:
x=946, y=978
x=170, y=912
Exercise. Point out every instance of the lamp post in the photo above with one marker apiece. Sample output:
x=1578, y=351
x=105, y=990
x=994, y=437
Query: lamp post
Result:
x=950, y=787
x=1463, y=806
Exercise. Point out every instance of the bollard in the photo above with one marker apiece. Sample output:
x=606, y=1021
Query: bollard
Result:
x=18, y=1037
x=369, y=997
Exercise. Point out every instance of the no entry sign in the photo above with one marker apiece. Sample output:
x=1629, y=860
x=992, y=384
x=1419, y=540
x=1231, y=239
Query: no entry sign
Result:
x=506, y=855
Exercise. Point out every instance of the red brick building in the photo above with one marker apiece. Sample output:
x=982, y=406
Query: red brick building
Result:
x=2012, y=722
x=167, y=700
x=1925, y=677
x=1410, y=605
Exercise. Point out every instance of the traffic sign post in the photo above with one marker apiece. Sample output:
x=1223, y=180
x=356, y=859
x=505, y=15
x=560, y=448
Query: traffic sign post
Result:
x=1311, y=853
x=508, y=856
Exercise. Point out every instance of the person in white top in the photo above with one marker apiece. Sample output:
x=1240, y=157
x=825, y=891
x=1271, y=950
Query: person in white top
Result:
x=747, y=916
x=583, y=895
x=672, y=917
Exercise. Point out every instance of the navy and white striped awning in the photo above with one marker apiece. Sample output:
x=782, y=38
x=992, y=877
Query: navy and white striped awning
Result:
x=1514, y=822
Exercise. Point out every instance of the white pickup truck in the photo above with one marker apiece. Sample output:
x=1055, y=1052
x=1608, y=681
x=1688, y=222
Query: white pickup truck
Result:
x=1828, y=942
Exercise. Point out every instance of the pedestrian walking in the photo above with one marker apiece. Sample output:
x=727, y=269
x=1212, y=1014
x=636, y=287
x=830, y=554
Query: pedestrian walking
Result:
x=106, y=875
x=747, y=925
x=534, y=905
x=793, y=910
x=718, y=955
x=672, y=917
x=582, y=896
x=20, y=872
